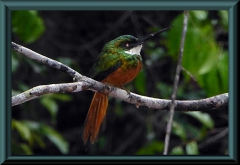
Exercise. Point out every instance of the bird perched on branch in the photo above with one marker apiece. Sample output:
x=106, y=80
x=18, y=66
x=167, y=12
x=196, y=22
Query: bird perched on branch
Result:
x=118, y=64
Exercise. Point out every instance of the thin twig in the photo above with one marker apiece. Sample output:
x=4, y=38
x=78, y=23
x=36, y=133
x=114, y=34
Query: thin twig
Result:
x=189, y=74
x=175, y=87
x=214, y=138
x=98, y=39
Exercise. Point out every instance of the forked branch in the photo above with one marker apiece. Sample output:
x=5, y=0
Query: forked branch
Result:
x=85, y=83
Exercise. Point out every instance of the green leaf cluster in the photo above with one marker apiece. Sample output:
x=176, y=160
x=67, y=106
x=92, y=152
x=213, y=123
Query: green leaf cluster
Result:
x=32, y=134
x=153, y=148
x=50, y=103
x=27, y=25
x=203, y=56
x=185, y=131
x=191, y=149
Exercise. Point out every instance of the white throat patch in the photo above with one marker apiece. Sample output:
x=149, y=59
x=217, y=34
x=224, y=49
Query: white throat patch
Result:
x=134, y=51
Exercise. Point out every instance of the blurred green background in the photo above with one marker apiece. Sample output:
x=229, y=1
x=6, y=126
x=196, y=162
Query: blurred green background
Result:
x=53, y=124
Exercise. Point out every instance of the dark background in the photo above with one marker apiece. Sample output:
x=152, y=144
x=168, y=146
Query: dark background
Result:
x=80, y=36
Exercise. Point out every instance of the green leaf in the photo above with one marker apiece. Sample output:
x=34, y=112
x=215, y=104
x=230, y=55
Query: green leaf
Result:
x=22, y=87
x=177, y=151
x=179, y=130
x=224, y=18
x=164, y=89
x=153, y=53
x=26, y=149
x=118, y=109
x=222, y=69
x=152, y=148
x=50, y=105
x=22, y=129
x=15, y=62
x=32, y=125
x=49, y=102
x=192, y=131
x=35, y=128
x=201, y=53
x=61, y=97
x=38, y=68
x=66, y=60
x=56, y=139
x=15, y=92
x=140, y=82
x=204, y=118
x=192, y=148
x=37, y=131
x=102, y=142
x=200, y=14
x=27, y=25
x=209, y=64
x=39, y=140
x=174, y=36
x=186, y=130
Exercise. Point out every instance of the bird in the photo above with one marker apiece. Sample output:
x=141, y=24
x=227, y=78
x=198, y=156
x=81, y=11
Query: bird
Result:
x=118, y=64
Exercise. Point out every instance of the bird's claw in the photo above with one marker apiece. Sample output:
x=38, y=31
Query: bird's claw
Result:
x=127, y=91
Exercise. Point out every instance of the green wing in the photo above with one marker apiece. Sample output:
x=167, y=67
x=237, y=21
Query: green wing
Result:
x=105, y=65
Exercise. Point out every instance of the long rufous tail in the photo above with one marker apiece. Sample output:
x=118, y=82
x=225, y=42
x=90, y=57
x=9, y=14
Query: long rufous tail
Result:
x=96, y=113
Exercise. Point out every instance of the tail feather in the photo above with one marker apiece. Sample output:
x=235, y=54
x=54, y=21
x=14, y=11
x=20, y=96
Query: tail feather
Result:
x=95, y=116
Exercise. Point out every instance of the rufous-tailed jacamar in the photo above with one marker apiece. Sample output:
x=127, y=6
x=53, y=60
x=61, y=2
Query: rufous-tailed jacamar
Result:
x=118, y=64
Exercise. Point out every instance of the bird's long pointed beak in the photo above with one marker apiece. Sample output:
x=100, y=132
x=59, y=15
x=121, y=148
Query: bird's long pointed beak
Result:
x=144, y=39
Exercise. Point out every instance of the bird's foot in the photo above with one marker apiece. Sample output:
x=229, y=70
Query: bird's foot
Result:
x=126, y=90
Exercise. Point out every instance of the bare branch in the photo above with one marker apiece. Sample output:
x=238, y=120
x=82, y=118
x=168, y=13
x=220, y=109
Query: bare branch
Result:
x=90, y=84
x=42, y=90
x=85, y=83
x=175, y=86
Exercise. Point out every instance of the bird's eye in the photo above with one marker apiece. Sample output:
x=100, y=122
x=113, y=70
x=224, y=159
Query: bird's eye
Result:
x=127, y=44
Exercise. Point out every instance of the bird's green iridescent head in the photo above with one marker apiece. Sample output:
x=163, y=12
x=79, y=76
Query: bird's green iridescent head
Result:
x=129, y=44
x=126, y=43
